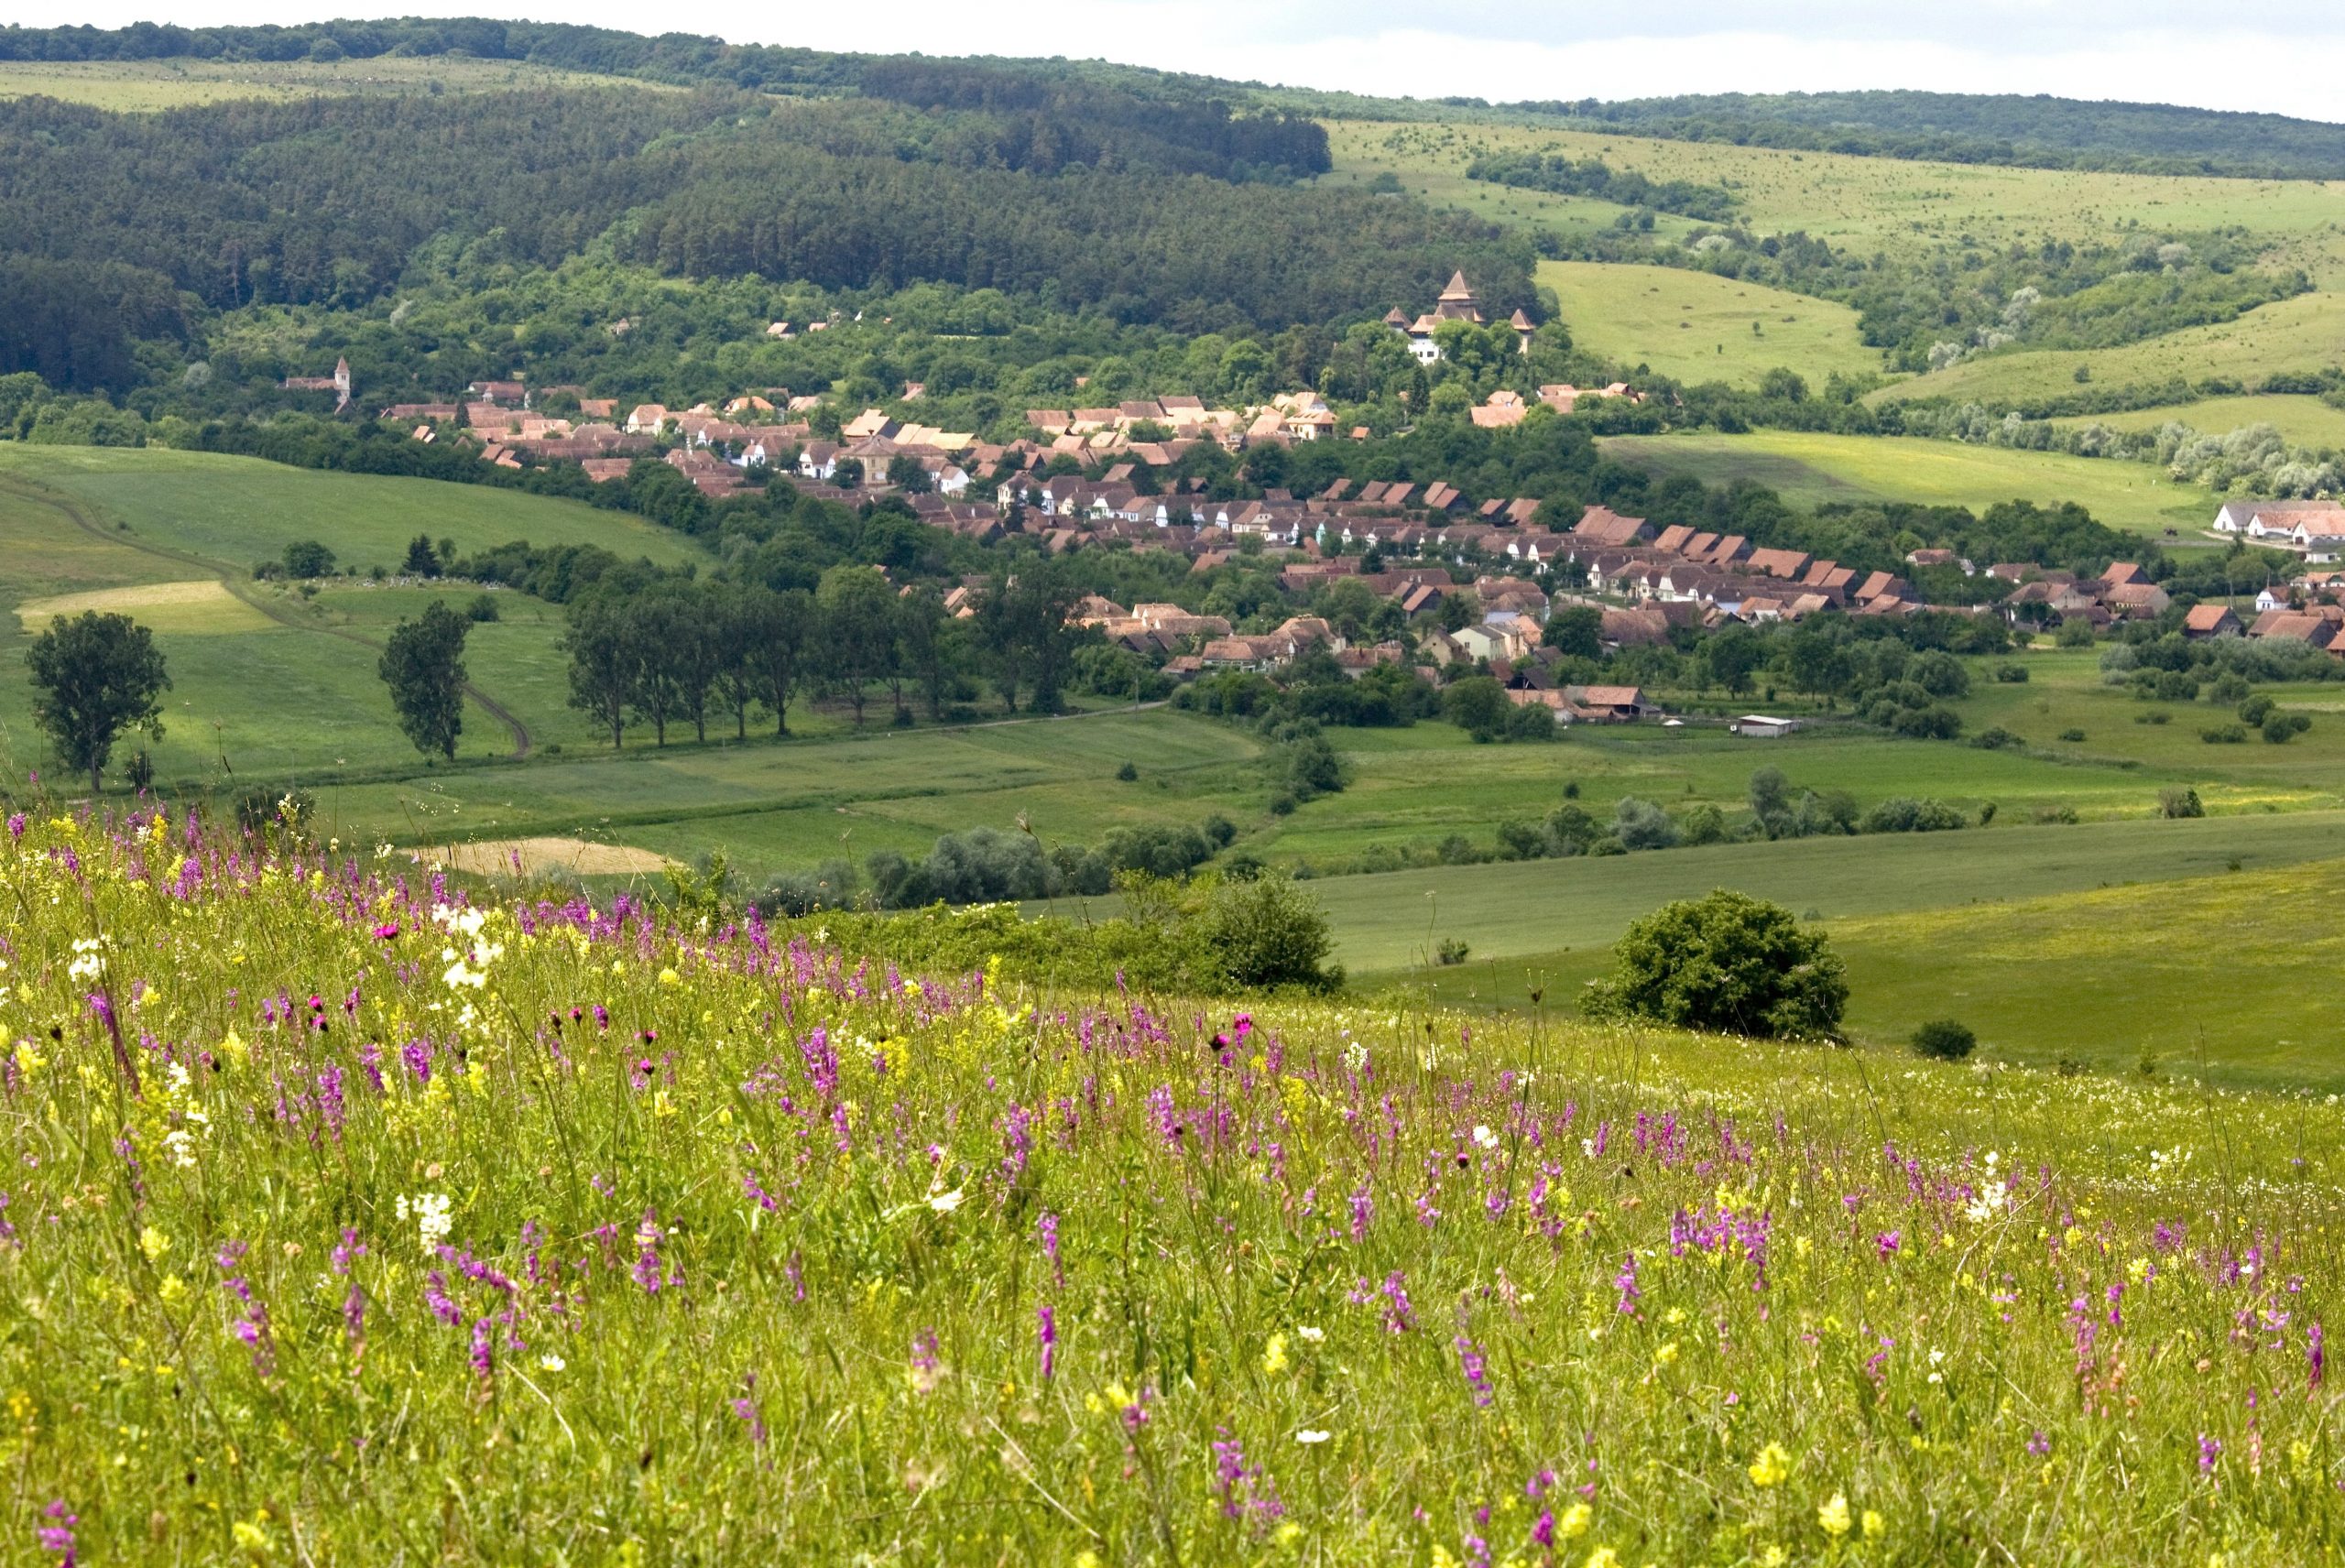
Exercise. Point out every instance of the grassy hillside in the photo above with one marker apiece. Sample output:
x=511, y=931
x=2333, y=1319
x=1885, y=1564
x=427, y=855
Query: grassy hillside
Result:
x=1811, y=468
x=2304, y=334
x=141, y=86
x=728, y=1246
x=1694, y=327
x=2303, y=420
x=265, y=682
x=1870, y=205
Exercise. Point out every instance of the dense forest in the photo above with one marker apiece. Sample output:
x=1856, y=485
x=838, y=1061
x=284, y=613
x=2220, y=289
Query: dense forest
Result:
x=1085, y=201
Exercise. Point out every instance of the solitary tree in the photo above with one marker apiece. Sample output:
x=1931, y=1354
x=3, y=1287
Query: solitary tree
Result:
x=94, y=677
x=1729, y=964
x=423, y=665
x=422, y=560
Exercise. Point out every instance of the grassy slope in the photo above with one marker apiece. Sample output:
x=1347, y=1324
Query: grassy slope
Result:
x=1694, y=327
x=2304, y=419
x=2306, y=333
x=323, y=707
x=1814, y=468
x=139, y=86
x=1890, y=205
x=768, y=808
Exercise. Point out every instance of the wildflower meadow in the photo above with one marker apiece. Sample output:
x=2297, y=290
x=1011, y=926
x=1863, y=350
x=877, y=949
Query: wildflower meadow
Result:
x=347, y=1220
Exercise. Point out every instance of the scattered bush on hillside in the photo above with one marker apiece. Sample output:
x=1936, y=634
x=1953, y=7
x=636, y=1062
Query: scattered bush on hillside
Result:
x=2223, y=735
x=1728, y=964
x=1900, y=813
x=2282, y=728
x=1945, y=1040
x=2176, y=800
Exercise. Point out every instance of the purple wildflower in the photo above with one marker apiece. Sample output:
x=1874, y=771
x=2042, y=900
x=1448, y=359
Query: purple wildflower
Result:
x=2209, y=1450
x=56, y=1536
x=1471, y=1362
x=1046, y=1334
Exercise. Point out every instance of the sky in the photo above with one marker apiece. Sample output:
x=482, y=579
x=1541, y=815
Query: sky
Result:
x=2280, y=55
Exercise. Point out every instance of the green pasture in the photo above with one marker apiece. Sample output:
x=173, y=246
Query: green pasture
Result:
x=771, y=806
x=1811, y=469
x=144, y=86
x=1894, y=206
x=2298, y=417
x=2183, y=973
x=240, y=510
x=2305, y=334
x=1696, y=327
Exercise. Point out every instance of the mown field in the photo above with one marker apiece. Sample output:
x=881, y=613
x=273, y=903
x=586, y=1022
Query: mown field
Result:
x=604, y=1238
x=1811, y=468
x=141, y=86
x=1694, y=327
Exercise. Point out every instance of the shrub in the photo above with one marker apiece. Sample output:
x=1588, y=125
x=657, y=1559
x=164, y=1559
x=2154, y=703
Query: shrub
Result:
x=2223, y=735
x=1995, y=739
x=2282, y=728
x=1451, y=951
x=2072, y=734
x=2074, y=634
x=1945, y=1040
x=483, y=608
x=1901, y=813
x=1729, y=964
x=2180, y=800
x=1266, y=933
x=2255, y=710
x=2174, y=686
x=2233, y=688
x=2012, y=674
x=1126, y=773
x=307, y=559
x=1641, y=824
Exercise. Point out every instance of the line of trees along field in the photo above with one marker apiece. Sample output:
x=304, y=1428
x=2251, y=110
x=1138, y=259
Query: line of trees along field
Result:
x=681, y=652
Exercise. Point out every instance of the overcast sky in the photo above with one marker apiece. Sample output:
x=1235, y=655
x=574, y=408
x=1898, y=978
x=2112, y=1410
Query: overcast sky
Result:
x=2284, y=55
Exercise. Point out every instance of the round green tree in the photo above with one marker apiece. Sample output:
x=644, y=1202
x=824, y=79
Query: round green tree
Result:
x=94, y=677
x=1728, y=964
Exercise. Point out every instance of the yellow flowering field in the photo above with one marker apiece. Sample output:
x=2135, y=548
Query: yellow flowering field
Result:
x=346, y=1221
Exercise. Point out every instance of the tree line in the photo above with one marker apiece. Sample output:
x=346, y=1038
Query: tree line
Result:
x=681, y=652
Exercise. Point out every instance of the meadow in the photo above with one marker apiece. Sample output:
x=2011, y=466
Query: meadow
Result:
x=170, y=539
x=1694, y=327
x=2305, y=334
x=2301, y=419
x=357, y=1224
x=1812, y=468
x=1896, y=207
x=147, y=86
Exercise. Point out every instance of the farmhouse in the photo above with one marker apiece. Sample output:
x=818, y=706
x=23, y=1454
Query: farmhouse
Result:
x=2275, y=519
x=2211, y=621
x=1762, y=727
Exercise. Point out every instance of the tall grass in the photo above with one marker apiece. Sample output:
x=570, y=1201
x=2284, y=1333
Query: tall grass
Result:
x=347, y=1223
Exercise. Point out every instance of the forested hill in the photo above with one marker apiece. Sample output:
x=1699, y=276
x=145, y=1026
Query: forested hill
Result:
x=1166, y=213
x=1961, y=127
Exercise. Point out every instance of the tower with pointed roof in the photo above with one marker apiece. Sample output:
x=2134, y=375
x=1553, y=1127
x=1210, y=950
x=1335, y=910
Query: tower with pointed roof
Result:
x=1457, y=302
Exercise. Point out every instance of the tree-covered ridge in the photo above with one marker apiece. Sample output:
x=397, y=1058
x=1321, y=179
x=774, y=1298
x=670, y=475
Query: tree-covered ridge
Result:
x=1999, y=128
x=330, y=201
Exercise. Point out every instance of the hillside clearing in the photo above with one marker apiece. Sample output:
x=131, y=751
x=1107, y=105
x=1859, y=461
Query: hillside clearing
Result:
x=1694, y=327
x=549, y=855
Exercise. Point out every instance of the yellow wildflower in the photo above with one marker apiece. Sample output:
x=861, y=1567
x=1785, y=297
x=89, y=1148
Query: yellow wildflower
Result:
x=1274, y=1356
x=1772, y=1464
x=154, y=1243
x=1603, y=1557
x=1575, y=1522
x=1875, y=1526
x=1833, y=1515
